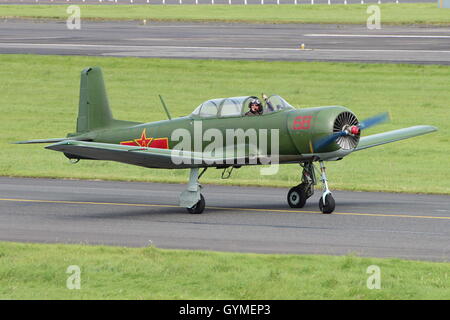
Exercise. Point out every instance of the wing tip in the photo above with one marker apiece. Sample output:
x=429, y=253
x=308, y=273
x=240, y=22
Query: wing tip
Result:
x=426, y=128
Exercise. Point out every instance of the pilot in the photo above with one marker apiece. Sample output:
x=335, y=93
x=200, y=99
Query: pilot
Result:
x=256, y=108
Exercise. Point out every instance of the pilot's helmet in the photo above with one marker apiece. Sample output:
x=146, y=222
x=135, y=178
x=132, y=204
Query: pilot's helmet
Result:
x=257, y=102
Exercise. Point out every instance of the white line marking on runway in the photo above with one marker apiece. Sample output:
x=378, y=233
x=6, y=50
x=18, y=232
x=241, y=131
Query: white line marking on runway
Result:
x=127, y=47
x=375, y=35
x=31, y=38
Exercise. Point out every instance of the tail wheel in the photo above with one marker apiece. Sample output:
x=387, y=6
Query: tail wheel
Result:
x=297, y=197
x=199, y=207
x=328, y=206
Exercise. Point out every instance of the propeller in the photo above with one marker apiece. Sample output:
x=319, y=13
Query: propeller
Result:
x=352, y=130
x=370, y=122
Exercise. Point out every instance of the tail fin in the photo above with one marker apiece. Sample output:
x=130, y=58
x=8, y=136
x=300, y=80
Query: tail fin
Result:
x=93, y=109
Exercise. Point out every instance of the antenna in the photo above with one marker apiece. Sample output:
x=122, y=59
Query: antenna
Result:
x=165, y=107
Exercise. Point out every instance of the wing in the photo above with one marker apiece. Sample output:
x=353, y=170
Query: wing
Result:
x=392, y=136
x=140, y=156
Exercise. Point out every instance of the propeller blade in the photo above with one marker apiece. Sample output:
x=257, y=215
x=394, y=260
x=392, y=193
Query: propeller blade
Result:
x=369, y=122
x=328, y=139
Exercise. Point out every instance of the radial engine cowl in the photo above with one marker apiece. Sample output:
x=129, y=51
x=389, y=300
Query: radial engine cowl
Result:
x=347, y=121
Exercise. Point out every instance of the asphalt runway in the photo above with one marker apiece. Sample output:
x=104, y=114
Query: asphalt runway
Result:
x=241, y=219
x=420, y=45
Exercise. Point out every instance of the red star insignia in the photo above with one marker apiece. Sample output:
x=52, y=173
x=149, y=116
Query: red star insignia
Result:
x=143, y=141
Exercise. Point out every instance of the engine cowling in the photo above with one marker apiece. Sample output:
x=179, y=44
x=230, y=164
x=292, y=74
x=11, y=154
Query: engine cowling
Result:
x=309, y=125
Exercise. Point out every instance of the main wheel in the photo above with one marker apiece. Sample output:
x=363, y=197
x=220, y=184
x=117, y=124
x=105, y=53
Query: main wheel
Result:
x=199, y=207
x=297, y=197
x=328, y=206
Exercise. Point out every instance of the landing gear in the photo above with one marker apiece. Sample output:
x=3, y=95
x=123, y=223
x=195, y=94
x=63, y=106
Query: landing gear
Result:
x=298, y=195
x=191, y=198
x=326, y=202
x=198, y=207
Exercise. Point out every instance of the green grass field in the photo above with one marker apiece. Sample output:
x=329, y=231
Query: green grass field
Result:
x=38, y=271
x=41, y=101
x=415, y=13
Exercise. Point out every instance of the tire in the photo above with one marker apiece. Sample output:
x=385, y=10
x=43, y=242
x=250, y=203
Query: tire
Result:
x=199, y=207
x=328, y=206
x=296, y=197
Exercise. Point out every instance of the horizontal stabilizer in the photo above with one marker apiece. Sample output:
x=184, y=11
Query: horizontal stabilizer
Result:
x=392, y=136
x=54, y=140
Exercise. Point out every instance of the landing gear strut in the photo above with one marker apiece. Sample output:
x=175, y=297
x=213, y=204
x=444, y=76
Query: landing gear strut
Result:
x=191, y=198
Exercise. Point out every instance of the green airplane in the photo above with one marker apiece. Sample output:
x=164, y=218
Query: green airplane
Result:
x=224, y=133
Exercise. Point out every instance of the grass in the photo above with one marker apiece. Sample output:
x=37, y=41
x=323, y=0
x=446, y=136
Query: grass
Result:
x=394, y=14
x=38, y=271
x=41, y=102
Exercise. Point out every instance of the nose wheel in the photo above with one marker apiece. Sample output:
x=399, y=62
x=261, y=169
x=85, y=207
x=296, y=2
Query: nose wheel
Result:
x=326, y=202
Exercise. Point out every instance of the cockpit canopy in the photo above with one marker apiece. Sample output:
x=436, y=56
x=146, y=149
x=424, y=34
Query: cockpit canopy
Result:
x=237, y=107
